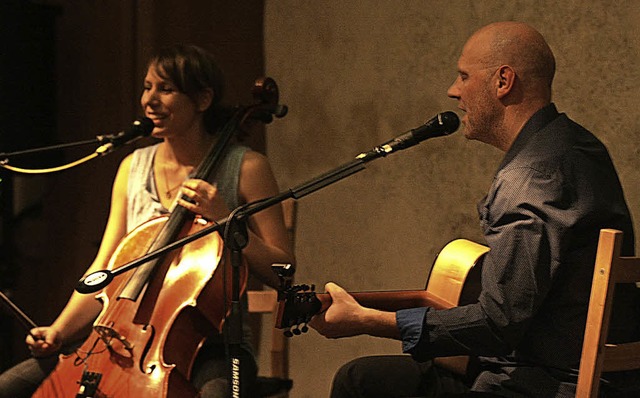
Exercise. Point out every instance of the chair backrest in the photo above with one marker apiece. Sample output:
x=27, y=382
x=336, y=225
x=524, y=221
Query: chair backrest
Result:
x=266, y=301
x=597, y=355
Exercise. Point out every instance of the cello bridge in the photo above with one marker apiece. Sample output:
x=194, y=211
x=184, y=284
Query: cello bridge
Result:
x=108, y=334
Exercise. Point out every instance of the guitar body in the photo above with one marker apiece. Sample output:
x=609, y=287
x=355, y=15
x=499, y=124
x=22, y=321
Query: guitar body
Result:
x=455, y=275
x=454, y=280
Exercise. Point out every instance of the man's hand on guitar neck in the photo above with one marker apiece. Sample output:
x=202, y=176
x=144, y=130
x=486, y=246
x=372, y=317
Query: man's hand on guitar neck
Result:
x=345, y=317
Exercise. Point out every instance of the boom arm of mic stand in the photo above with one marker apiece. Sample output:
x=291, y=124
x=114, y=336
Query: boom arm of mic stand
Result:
x=335, y=175
x=100, y=151
x=98, y=280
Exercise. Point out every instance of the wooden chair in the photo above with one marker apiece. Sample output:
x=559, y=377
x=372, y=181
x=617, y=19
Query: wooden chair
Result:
x=597, y=355
x=277, y=383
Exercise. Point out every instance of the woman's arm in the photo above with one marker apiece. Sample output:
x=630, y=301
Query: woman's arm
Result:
x=75, y=320
x=269, y=241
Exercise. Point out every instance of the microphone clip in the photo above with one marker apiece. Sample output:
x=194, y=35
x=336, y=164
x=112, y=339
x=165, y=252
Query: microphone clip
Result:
x=142, y=127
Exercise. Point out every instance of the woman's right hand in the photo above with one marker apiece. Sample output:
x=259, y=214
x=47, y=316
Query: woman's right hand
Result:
x=43, y=341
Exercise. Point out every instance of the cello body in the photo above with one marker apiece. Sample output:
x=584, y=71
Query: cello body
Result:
x=146, y=347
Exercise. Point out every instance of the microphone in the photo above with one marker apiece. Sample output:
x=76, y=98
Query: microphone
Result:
x=142, y=127
x=442, y=124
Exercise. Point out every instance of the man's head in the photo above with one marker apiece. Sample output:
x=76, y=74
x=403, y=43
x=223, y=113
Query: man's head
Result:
x=505, y=73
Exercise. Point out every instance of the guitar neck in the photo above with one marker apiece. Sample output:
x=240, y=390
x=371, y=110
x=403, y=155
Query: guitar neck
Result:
x=391, y=300
x=446, y=286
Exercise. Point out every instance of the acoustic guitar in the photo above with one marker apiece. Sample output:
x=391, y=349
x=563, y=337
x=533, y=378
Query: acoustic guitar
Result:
x=454, y=280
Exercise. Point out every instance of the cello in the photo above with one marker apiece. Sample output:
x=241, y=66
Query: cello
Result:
x=154, y=322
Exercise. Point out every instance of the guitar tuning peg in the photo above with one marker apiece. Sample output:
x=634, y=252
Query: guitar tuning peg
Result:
x=313, y=288
x=288, y=333
x=297, y=332
x=305, y=287
x=304, y=328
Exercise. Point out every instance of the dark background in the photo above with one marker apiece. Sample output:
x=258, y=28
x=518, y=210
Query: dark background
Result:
x=71, y=70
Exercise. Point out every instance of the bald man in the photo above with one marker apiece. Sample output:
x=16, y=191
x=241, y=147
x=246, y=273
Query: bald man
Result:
x=554, y=190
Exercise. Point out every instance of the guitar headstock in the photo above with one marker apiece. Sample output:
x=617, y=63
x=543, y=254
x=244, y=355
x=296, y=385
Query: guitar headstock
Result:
x=297, y=305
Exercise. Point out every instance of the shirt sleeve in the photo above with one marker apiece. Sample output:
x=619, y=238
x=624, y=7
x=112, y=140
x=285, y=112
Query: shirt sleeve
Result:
x=410, y=323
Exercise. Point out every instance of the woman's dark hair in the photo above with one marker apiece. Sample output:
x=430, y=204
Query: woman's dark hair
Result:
x=192, y=70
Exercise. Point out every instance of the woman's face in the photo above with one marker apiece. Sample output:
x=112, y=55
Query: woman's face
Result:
x=171, y=110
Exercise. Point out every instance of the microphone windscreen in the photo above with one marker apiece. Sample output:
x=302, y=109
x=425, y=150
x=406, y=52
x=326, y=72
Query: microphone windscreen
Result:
x=450, y=121
x=145, y=125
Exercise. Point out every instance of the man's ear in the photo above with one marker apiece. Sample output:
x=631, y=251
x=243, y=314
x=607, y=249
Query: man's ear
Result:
x=204, y=99
x=506, y=80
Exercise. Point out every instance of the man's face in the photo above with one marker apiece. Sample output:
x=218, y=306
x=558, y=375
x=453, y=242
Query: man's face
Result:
x=474, y=90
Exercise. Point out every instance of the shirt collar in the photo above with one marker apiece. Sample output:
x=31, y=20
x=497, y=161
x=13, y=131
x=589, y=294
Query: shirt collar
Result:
x=536, y=123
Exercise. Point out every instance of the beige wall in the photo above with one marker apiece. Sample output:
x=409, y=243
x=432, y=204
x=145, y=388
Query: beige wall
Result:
x=357, y=73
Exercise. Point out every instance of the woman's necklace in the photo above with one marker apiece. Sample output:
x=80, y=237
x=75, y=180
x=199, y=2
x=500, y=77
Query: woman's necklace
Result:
x=169, y=190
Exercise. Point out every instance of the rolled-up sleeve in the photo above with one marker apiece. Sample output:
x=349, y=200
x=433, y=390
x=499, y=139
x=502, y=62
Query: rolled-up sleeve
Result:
x=410, y=323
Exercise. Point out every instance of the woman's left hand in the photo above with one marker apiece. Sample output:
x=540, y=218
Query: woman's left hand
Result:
x=205, y=200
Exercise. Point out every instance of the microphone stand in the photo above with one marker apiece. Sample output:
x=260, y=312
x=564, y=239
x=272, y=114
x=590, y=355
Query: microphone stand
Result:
x=236, y=239
x=5, y=156
x=100, y=139
x=99, y=279
x=108, y=143
x=234, y=232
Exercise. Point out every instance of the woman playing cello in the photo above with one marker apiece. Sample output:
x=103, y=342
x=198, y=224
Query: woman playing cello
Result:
x=181, y=95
